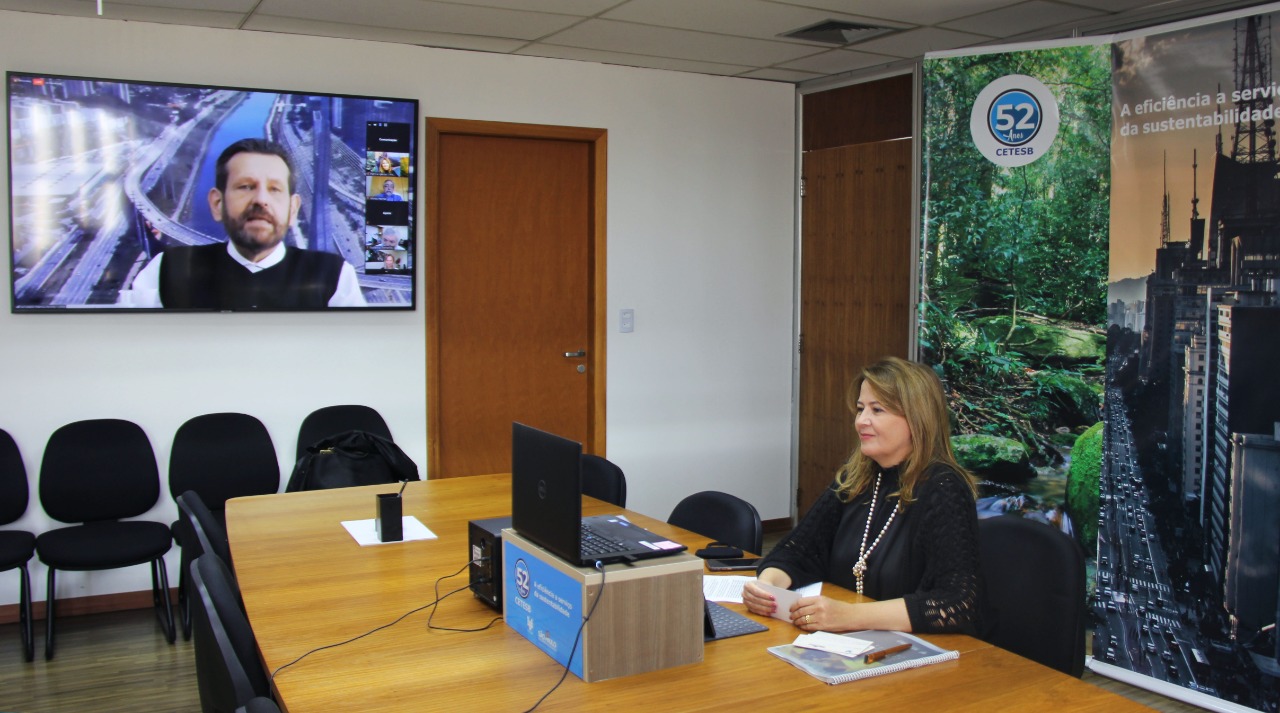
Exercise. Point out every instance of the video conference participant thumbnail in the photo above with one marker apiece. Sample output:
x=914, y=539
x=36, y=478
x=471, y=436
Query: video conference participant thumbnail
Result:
x=387, y=190
x=382, y=163
x=256, y=202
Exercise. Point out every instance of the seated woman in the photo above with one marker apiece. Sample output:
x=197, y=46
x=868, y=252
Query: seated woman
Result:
x=898, y=524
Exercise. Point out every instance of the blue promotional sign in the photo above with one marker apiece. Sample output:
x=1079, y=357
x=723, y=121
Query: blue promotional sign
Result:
x=543, y=604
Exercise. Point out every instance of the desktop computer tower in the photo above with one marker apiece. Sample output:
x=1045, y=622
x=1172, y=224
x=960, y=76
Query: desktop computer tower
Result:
x=485, y=538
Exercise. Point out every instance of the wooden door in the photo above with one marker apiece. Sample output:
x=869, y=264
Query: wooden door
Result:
x=855, y=291
x=515, y=271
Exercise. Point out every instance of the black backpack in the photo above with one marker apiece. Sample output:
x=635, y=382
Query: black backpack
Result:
x=348, y=459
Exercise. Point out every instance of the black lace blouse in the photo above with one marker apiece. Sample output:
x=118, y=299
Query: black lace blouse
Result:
x=928, y=556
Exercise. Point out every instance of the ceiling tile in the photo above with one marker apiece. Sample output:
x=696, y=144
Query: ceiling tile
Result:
x=225, y=14
x=632, y=60
x=1018, y=19
x=293, y=25
x=679, y=44
x=236, y=6
x=914, y=43
x=743, y=18
x=774, y=74
x=1122, y=5
x=918, y=12
x=581, y=8
x=837, y=61
x=422, y=16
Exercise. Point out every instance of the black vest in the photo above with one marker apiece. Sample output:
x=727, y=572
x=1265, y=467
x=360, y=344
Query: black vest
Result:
x=206, y=277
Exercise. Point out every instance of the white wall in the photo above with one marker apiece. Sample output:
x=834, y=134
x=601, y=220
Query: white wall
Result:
x=700, y=214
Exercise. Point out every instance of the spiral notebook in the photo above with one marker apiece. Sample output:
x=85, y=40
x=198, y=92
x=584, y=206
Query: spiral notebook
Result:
x=834, y=668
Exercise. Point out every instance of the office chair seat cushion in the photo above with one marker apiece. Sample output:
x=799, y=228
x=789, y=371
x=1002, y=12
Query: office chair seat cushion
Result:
x=103, y=545
x=16, y=548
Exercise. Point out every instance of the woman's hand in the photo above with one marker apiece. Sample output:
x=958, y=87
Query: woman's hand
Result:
x=759, y=601
x=823, y=614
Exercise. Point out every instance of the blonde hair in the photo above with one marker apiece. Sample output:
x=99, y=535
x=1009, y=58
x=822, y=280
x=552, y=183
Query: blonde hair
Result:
x=914, y=392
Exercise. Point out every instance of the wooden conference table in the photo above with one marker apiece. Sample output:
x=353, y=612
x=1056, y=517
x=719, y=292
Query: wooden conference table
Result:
x=306, y=584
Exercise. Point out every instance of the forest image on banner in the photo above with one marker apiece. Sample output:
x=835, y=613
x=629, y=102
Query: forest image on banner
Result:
x=1013, y=283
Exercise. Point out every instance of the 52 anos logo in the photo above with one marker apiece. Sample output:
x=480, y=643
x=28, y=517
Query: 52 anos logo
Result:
x=1014, y=120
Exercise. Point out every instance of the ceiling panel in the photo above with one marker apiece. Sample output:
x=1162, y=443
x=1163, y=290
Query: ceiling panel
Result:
x=317, y=28
x=680, y=44
x=743, y=18
x=423, y=16
x=1017, y=19
x=543, y=49
x=914, y=43
x=723, y=37
x=917, y=12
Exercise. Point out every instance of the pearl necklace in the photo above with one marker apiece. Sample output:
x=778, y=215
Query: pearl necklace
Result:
x=864, y=552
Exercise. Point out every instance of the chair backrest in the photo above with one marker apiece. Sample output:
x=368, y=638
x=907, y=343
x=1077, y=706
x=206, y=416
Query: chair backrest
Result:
x=99, y=469
x=228, y=673
x=209, y=536
x=331, y=420
x=259, y=705
x=603, y=479
x=1035, y=591
x=14, y=491
x=721, y=516
x=222, y=456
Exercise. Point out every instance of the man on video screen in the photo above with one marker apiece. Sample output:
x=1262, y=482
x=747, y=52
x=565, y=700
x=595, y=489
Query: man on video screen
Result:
x=255, y=199
x=388, y=192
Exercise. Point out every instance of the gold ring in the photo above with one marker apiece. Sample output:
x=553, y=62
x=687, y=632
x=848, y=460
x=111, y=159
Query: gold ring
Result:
x=806, y=618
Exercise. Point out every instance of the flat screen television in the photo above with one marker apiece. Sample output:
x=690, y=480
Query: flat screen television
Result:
x=148, y=196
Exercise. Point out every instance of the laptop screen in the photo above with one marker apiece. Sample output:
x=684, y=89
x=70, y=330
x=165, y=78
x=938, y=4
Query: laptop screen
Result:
x=546, y=489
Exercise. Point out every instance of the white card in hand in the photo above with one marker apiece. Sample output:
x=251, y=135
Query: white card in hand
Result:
x=834, y=643
x=785, y=597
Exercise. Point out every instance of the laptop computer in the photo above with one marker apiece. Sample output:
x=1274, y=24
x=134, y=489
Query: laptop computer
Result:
x=546, y=506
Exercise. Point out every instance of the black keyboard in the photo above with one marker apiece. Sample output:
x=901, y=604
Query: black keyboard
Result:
x=728, y=623
x=595, y=544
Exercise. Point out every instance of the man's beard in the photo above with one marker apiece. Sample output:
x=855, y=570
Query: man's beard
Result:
x=241, y=237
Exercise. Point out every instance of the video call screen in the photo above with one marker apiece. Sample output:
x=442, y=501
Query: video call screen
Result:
x=106, y=175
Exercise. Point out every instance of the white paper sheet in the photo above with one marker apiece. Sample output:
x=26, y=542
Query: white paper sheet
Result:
x=365, y=532
x=787, y=597
x=724, y=588
x=728, y=588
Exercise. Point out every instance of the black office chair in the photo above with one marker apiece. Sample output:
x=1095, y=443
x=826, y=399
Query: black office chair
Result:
x=604, y=480
x=259, y=705
x=16, y=546
x=206, y=535
x=219, y=456
x=1035, y=591
x=723, y=517
x=332, y=420
x=97, y=473
x=228, y=672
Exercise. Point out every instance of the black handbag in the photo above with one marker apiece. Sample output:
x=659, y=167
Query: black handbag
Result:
x=348, y=459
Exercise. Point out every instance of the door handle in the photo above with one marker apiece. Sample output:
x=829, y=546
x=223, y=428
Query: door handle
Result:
x=572, y=355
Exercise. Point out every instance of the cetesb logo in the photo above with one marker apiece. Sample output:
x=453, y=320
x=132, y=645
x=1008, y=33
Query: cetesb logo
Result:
x=1014, y=120
x=522, y=579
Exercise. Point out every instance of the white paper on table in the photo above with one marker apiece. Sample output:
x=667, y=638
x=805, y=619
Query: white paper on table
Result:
x=365, y=532
x=834, y=643
x=724, y=588
x=786, y=597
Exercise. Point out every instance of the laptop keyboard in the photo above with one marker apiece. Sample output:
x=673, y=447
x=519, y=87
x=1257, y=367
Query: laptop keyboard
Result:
x=729, y=623
x=595, y=543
